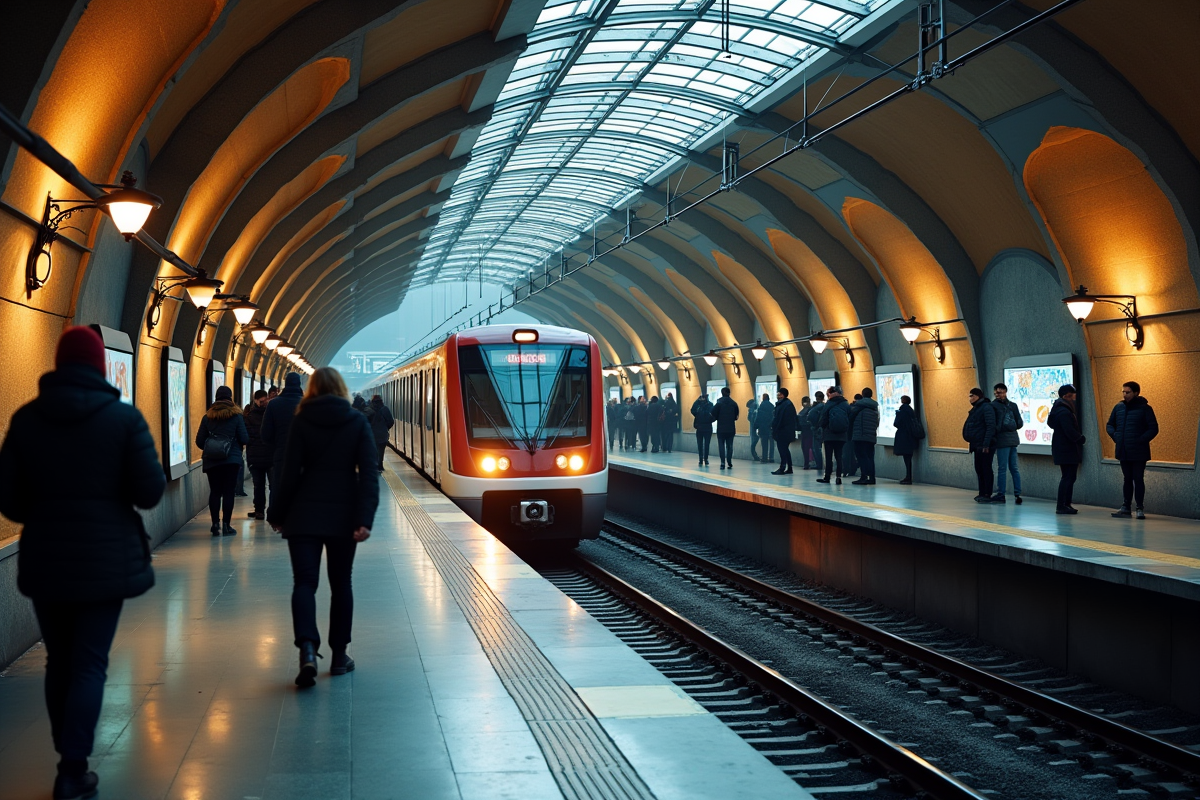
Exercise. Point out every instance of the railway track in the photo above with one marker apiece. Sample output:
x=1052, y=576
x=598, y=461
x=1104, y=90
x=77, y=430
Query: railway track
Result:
x=1137, y=760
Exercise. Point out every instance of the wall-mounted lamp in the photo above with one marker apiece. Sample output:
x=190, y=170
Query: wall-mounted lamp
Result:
x=200, y=290
x=820, y=341
x=286, y=350
x=1081, y=303
x=759, y=351
x=258, y=332
x=635, y=368
x=787, y=360
x=128, y=207
x=737, y=368
x=911, y=331
x=711, y=358
x=243, y=311
x=272, y=341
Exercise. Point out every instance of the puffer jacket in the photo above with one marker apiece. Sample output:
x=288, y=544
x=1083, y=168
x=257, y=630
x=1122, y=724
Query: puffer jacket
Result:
x=1008, y=422
x=783, y=424
x=726, y=412
x=702, y=415
x=1132, y=426
x=764, y=418
x=815, y=411
x=1066, y=446
x=258, y=453
x=835, y=420
x=979, y=429
x=277, y=422
x=864, y=420
x=381, y=420
x=78, y=437
x=223, y=418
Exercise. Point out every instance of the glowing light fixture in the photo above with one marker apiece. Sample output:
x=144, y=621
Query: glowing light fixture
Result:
x=199, y=289
x=635, y=368
x=1081, y=304
x=819, y=343
x=284, y=349
x=503, y=463
x=272, y=341
x=910, y=330
x=758, y=351
x=259, y=332
x=525, y=336
x=664, y=365
x=243, y=310
x=711, y=358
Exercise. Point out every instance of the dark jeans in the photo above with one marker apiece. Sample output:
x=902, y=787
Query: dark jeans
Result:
x=1135, y=481
x=907, y=466
x=850, y=463
x=754, y=440
x=725, y=447
x=222, y=481
x=77, y=637
x=259, y=473
x=612, y=435
x=1066, y=485
x=703, y=440
x=983, y=471
x=833, y=450
x=306, y=575
x=381, y=447
x=785, y=454
x=768, y=446
x=628, y=436
x=806, y=448
x=865, y=453
x=655, y=437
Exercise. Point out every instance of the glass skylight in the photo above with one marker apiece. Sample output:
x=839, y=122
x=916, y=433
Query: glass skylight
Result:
x=607, y=94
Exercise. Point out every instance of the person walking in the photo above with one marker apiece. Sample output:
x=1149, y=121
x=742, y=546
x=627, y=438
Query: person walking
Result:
x=221, y=435
x=1066, y=445
x=783, y=428
x=277, y=423
x=979, y=431
x=84, y=553
x=1008, y=422
x=907, y=429
x=381, y=421
x=726, y=412
x=702, y=421
x=804, y=431
x=326, y=501
x=864, y=427
x=835, y=427
x=611, y=416
x=258, y=454
x=272, y=393
x=763, y=421
x=670, y=422
x=359, y=404
x=1132, y=426
x=814, y=421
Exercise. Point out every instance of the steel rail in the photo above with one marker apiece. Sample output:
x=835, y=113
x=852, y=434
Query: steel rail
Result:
x=1113, y=733
x=923, y=776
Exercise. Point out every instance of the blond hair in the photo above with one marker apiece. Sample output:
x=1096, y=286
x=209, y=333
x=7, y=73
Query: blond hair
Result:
x=326, y=380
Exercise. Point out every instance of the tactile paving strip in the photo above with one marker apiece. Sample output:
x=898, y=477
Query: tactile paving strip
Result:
x=583, y=759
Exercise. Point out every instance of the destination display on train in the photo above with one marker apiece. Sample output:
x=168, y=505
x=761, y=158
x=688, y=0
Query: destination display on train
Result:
x=527, y=358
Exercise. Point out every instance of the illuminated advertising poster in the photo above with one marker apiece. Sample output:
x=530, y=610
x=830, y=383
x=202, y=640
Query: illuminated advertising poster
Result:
x=247, y=387
x=891, y=383
x=118, y=367
x=174, y=413
x=614, y=393
x=1033, y=383
x=639, y=391
x=668, y=388
x=712, y=390
x=215, y=380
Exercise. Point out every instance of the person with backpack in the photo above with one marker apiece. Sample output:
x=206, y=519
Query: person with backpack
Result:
x=381, y=422
x=670, y=422
x=75, y=466
x=220, y=437
x=1008, y=422
x=908, y=433
x=725, y=412
x=864, y=427
x=702, y=416
x=835, y=427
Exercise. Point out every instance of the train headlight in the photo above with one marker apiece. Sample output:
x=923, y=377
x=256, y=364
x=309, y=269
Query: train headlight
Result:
x=576, y=462
x=560, y=461
x=503, y=463
x=488, y=464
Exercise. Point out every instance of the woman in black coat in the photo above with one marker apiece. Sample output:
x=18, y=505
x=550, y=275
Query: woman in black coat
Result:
x=75, y=463
x=220, y=437
x=1066, y=446
x=905, y=443
x=326, y=500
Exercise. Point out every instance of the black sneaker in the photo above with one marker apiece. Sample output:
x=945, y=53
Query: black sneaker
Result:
x=71, y=787
x=1017, y=499
x=983, y=498
x=1066, y=510
x=1140, y=514
x=341, y=663
x=228, y=530
x=1123, y=511
x=999, y=498
x=216, y=529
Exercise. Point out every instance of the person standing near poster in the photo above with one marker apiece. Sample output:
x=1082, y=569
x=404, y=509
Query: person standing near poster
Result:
x=783, y=428
x=82, y=555
x=1132, y=426
x=979, y=432
x=907, y=429
x=702, y=421
x=670, y=422
x=1008, y=422
x=726, y=412
x=1066, y=446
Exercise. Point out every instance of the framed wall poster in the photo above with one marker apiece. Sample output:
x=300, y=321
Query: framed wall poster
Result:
x=118, y=360
x=668, y=388
x=614, y=393
x=638, y=390
x=174, y=413
x=1033, y=383
x=819, y=380
x=245, y=383
x=216, y=379
x=766, y=384
x=712, y=390
x=891, y=383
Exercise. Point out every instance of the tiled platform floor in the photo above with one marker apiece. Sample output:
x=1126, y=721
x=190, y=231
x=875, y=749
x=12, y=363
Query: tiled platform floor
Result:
x=1159, y=553
x=200, y=701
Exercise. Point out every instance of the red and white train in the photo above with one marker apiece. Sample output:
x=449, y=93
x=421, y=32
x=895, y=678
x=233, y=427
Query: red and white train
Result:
x=509, y=422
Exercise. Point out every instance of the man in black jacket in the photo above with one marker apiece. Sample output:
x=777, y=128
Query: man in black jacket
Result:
x=1066, y=446
x=258, y=454
x=277, y=423
x=783, y=428
x=763, y=421
x=612, y=417
x=979, y=431
x=834, y=423
x=381, y=422
x=1132, y=426
x=725, y=411
x=74, y=464
x=670, y=422
x=641, y=423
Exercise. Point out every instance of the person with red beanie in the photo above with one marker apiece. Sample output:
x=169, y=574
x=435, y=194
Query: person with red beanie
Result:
x=81, y=555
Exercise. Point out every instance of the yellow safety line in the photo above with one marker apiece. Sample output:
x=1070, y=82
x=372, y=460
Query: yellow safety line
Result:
x=1089, y=544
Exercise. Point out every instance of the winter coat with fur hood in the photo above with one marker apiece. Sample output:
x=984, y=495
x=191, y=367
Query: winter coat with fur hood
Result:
x=223, y=418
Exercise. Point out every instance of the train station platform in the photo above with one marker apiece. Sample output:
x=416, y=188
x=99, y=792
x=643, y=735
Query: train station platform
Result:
x=475, y=678
x=1117, y=600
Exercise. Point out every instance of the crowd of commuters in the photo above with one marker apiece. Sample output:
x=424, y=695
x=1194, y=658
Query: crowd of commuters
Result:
x=79, y=561
x=641, y=425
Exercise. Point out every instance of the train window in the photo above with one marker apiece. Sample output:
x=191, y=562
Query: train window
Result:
x=533, y=395
x=429, y=382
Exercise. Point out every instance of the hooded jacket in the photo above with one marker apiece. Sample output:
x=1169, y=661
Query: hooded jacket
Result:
x=329, y=480
x=835, y=420
x=78, y=437
x=381, y=420
x=864, y=420
x=277, y=422
x=670, y=415
x=1132, y=426
x=1066, y=446
x=223, y=418
x=702, y=415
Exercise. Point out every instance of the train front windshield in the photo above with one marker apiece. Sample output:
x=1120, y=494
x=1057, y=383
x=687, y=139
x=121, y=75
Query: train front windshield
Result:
x=527, y=396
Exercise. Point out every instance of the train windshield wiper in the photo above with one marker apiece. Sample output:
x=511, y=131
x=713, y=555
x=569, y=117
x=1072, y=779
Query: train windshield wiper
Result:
x=495, y=427
x=566, y=416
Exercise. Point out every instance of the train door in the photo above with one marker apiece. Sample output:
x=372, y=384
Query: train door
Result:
x=436, y=427
x=420, y=425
